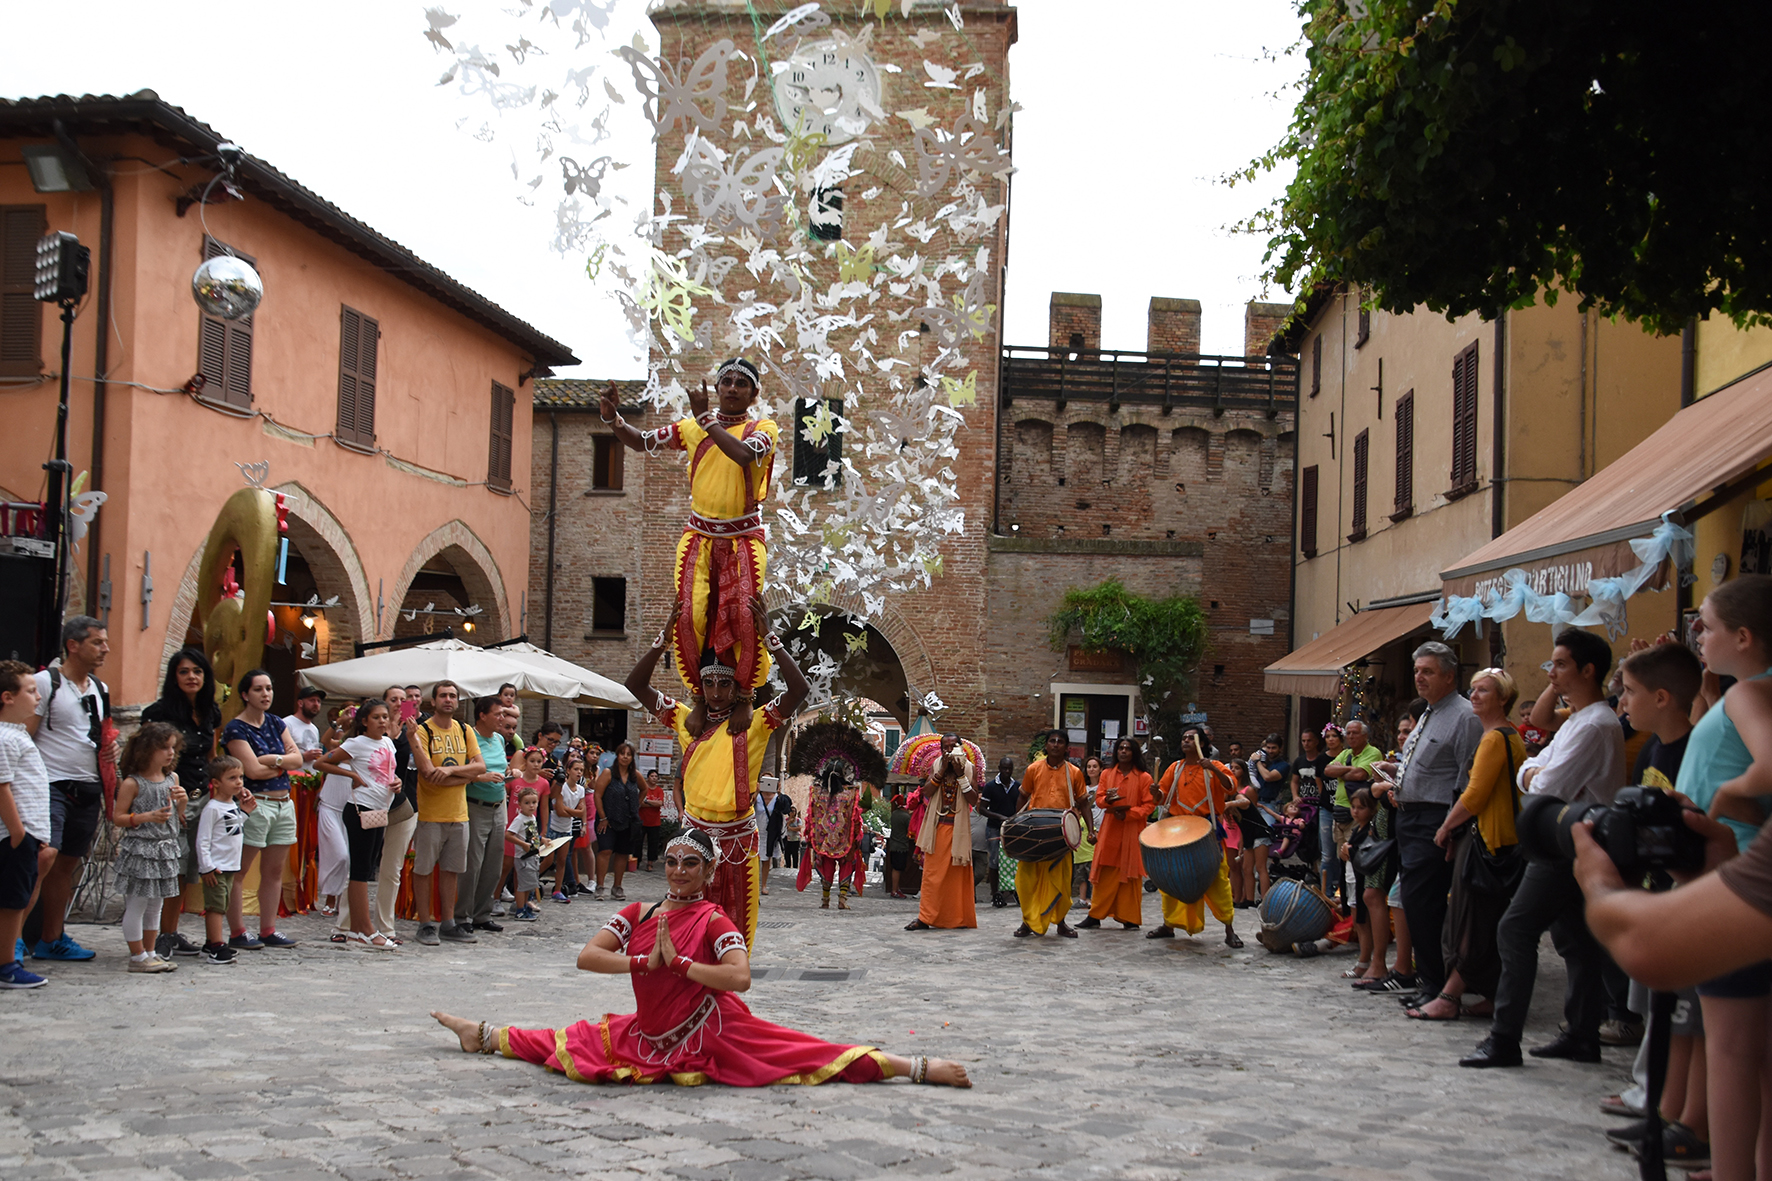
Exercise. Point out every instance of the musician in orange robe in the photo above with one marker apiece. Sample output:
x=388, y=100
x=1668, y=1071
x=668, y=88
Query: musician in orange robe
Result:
x=1183, y=790
x=1124, y=795
x=1044, y=887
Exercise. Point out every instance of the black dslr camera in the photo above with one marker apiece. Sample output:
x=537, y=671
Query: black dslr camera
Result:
x=1641, y=830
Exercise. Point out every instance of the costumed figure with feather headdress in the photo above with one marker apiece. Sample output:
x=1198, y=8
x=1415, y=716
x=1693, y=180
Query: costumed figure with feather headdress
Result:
x=841, y=762
x=723, y=554
x=722, y=758
x=688, y=962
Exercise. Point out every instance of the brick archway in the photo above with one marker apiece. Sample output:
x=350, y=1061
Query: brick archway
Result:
x=332, y=557
x=473, y=563
x=907, y=645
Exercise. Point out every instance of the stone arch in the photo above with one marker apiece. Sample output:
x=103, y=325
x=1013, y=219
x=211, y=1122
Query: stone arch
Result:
x=331, y=555
x=890, y=623
x=473, y=563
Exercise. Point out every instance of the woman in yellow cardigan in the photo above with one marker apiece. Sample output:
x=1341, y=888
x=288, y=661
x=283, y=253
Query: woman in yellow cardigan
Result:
x=1490, y=796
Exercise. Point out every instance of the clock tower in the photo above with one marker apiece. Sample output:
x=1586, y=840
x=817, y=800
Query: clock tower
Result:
x=901, y=96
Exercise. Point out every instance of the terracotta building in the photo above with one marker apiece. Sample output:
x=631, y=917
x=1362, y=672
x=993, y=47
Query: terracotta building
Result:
x=388, y=401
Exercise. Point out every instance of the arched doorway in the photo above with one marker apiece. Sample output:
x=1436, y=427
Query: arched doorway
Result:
x=450, y=572
x=321, y=606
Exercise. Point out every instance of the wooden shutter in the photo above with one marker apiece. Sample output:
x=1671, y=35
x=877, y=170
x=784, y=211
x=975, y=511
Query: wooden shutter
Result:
x=1405, y=503
x=1307, y=512
x=1363, y=326
x=358, y=336
x=224, y=347
x=1316, y=366
x=1464, y=420
x=1362, y=452
x=498, y=462
x=21, y=316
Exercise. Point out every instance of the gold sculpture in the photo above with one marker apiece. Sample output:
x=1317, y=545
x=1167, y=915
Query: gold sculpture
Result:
x=234, y=617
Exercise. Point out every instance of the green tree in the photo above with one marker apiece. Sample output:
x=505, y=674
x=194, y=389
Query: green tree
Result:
x=1166, y=637
x=1465, y=154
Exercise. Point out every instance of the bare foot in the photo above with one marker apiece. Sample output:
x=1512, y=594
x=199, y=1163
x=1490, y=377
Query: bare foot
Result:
x=461, y=1027
x=946, y=1073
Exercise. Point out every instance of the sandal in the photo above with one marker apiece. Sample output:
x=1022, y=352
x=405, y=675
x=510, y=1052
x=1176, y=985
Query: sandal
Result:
x=1357, y=971
x=920, y=925
x=339, y=937
x=1232, y=940
x=1421, y=1014
x=375, y=942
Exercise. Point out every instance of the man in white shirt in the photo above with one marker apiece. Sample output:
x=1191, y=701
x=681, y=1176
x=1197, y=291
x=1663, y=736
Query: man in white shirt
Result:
x=1583, y=764
x=303, y=726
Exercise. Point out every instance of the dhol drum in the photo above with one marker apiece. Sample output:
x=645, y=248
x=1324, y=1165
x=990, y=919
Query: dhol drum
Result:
x=1292, y=913
x=1181, y=855
x=1041, y=834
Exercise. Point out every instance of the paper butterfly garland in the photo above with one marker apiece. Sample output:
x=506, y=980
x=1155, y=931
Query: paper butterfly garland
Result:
x=672, y=96
x=741, y=194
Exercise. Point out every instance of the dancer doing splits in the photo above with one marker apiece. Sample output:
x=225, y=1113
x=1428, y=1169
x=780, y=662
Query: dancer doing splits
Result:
x=688, y=963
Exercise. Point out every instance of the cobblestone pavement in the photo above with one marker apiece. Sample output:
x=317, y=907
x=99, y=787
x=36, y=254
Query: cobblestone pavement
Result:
x=1107, y=1056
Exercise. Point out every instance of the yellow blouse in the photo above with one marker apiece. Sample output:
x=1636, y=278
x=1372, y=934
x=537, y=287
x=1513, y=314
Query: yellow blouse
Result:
x=1490, y=795
x=719, y=488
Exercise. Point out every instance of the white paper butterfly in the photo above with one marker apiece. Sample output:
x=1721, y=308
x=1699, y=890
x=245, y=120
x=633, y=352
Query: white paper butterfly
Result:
x=742, y=193
x=968, y=148
x=675, y=93
x=81, y=510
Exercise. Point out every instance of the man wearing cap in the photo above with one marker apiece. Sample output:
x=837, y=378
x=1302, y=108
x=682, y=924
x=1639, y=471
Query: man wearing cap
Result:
x=722, y=759
x=722, y=556
x=772, y=813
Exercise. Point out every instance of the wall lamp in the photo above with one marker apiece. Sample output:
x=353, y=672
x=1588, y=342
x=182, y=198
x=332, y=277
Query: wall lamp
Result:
x=54, y=170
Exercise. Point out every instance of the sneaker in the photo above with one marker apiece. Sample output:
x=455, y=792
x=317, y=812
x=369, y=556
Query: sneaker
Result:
x=276, y=939
x=64, y=948
x=20, y=953
x=152, y=963
x=182, y=946
x=163, y=946
x=506, y=896
x=246, y=943
x=489, y=926
x=1621, y=1033
x=16, y=975
x=458, y=933
x=500, y=910
x=524, y=915
x=618, y=895
x=219, y=953
x=427, y=934
x=559, y=896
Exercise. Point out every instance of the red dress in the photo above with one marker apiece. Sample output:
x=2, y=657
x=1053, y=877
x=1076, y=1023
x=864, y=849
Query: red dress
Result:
x=684, y=1032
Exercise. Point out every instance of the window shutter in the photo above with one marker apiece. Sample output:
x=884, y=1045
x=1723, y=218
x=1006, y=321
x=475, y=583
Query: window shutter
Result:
x=358, y=336
x=1406, y=453
x=1307, y=512
x=224, y=347
x=21, y=316
x=1316, y=366
x=1362, y=452
x=1363, y=327
x=1464, y=419
x=498, y=462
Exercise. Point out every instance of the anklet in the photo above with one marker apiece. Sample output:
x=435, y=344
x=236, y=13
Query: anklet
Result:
x=919, y=1070
x=487, y=1042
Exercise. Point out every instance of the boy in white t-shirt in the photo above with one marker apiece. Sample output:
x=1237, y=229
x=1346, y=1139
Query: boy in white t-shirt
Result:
x=24, y=818
x=221, y=835
x=524, y=831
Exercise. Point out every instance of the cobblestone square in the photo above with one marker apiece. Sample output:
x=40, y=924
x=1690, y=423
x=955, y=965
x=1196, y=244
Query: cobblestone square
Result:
x=1109, y=1056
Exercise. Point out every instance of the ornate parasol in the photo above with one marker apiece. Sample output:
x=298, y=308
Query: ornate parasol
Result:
x=917, y=755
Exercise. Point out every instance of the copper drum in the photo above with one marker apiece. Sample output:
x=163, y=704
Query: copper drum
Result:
x=1293, y=912
x=1041, y=834
x=1181, y=855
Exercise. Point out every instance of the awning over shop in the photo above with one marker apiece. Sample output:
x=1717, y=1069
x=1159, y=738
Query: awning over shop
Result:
x=1315, y=669
x=1702, y=454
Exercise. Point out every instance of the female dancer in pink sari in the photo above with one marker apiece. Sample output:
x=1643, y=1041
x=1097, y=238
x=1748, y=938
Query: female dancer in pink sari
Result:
x=688, y=962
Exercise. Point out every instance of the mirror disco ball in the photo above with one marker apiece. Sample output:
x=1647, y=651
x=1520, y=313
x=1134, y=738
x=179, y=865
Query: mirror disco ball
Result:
x=227, y=287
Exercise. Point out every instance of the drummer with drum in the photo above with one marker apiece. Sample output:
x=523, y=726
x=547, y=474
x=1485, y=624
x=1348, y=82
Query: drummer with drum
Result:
x=1184, y=853
x=1054, y=812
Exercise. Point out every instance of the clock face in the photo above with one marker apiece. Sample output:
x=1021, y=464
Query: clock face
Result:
x=821, y=91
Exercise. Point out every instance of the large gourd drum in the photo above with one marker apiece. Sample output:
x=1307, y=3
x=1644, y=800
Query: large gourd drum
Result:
x=1181, y=855
x=1293, y=912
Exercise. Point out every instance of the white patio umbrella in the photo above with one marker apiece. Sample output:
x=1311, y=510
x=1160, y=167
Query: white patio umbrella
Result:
x=477, y=671
x=595, y=689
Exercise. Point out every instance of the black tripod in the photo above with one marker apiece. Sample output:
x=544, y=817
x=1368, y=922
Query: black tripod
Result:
x=1650, y=1166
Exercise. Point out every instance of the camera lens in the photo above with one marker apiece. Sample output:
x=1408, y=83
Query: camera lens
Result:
x=1544, y=827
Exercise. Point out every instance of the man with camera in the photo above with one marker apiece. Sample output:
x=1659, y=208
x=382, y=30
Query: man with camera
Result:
x=1584, y=764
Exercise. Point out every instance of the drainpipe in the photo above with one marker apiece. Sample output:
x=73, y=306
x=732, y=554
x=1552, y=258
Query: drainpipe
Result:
x=1688, y=395
x=1498, y=468
x=1292, y=702
x=101, y=180
x=547, y=627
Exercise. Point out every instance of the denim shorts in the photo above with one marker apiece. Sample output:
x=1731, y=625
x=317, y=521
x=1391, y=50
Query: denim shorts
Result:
x=1747, y=983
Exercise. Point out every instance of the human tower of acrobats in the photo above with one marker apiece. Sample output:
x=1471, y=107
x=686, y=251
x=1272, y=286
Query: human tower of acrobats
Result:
x=689, y=956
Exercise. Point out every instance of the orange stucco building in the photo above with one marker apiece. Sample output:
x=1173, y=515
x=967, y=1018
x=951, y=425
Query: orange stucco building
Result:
x=410, y=493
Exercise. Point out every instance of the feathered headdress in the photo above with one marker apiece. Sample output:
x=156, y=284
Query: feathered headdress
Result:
x=834, y=753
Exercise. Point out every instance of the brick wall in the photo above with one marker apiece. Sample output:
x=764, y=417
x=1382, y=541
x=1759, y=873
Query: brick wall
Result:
x=1070, y=314
x=1260, y=322
x=1173, y=326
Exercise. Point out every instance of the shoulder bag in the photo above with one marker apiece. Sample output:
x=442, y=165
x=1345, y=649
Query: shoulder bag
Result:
x=1370, y=858
x=1496, y=874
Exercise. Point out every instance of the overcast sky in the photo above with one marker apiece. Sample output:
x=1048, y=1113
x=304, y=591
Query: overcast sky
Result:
x=1131, y=111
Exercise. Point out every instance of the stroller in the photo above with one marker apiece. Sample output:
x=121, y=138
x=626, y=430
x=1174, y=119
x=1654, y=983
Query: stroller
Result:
x=1297, y=847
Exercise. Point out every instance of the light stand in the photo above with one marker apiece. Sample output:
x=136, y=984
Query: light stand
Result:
x=62, y=266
